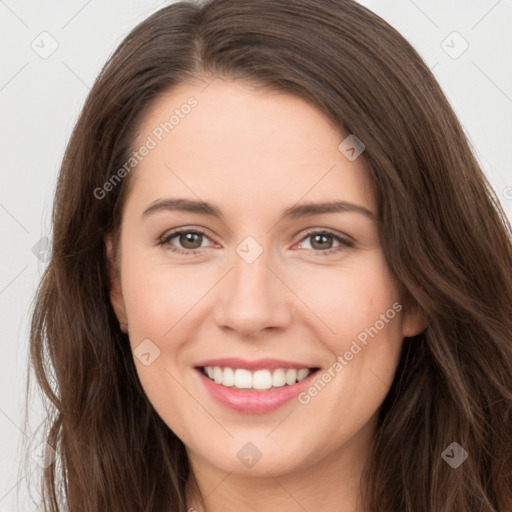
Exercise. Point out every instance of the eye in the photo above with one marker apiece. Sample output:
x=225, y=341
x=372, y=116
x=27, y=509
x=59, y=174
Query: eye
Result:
x=191, y=241
x=322, y=240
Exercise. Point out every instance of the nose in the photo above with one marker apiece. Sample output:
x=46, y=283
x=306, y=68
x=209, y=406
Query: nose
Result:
x=253, y=298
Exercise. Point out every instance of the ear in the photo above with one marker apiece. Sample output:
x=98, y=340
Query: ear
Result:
x=414, y=321
x=116, y=294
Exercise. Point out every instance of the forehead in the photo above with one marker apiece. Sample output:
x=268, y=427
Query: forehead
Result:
x=234, y=143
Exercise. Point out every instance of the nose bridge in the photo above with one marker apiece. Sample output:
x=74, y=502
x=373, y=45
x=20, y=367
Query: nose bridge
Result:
x=252, y=297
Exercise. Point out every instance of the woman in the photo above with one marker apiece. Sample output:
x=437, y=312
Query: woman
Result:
x=256, y=368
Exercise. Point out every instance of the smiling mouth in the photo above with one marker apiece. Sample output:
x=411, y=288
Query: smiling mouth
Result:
x=258, y=380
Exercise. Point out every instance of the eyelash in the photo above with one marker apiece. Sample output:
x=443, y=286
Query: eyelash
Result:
x=165, y=239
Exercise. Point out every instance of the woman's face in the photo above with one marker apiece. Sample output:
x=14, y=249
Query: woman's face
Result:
x=251, y=285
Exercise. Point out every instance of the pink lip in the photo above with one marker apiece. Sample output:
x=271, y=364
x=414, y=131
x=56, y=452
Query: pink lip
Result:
x=258, y=364
x=254, y=402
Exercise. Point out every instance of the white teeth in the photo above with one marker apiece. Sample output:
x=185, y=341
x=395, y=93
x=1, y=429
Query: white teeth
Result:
x=278, y=378
x=228, y=378
x=291, y=376
x=262, y=380
x=259, y=380
x=217, y=375
x=243, y=379
x=302, y=374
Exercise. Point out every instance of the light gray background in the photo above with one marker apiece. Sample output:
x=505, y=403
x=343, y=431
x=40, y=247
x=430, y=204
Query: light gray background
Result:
x=40, y=99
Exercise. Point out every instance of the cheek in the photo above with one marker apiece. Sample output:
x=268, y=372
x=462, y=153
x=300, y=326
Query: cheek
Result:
x=351, y=298
x=157, y=296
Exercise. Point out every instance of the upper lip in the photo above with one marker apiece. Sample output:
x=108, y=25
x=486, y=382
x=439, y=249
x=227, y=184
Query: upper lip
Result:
x=257, y=364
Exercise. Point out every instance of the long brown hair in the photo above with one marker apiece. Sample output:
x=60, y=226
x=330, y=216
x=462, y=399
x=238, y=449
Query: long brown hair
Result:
x=443, y=232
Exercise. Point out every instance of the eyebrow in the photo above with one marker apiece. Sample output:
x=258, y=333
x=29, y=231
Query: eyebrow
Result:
x=294, y=212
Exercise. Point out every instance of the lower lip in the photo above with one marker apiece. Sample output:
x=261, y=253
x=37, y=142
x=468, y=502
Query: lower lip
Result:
x=254, y=402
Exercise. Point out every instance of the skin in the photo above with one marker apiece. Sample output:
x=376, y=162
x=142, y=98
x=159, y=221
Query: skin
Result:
x=254, y=153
